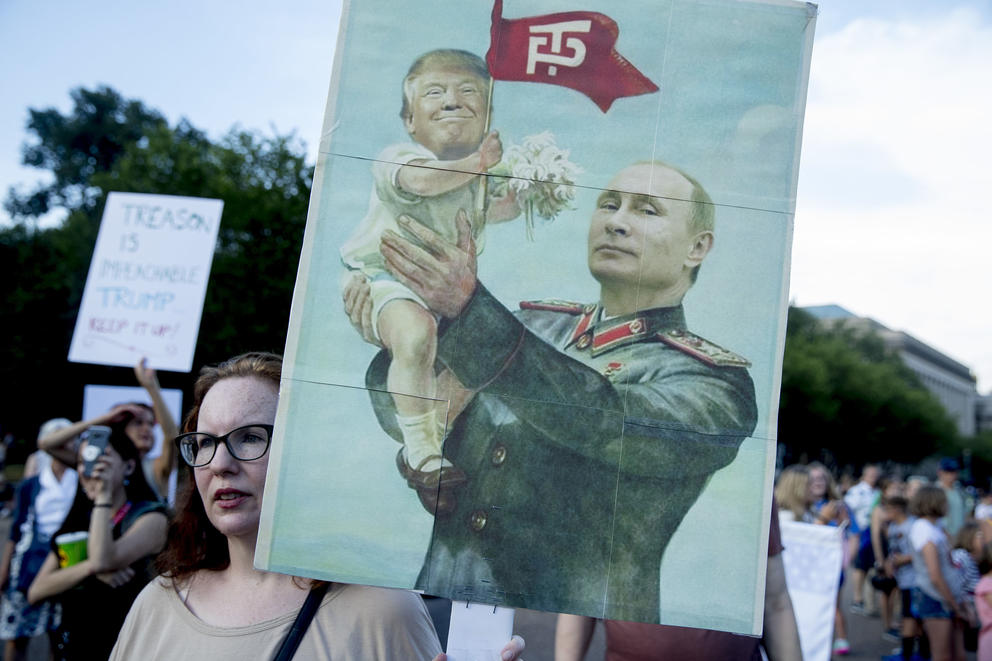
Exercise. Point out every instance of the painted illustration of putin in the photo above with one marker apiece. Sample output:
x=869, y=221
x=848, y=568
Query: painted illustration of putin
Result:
x=585, y=431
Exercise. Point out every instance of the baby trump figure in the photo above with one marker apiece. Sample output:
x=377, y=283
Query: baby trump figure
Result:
x=445, y=110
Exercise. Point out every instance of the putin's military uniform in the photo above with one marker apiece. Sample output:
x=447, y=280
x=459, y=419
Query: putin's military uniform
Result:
x=585, y=444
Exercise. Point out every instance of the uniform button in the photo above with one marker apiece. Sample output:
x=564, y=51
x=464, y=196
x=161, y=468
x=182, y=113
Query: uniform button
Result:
x=635, y=326
x=589, y=308
x=498, y=455
x=478, y=520
x=583, y=342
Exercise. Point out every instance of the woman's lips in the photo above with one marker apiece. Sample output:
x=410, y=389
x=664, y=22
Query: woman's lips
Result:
x=229, y=498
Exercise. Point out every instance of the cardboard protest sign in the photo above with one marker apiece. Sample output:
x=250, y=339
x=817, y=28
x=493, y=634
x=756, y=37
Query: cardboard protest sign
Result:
x=562, y=389
x=146, y=283
x=813, y=559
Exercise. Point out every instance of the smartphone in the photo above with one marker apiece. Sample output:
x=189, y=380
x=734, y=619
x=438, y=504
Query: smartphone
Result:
x=97, y=438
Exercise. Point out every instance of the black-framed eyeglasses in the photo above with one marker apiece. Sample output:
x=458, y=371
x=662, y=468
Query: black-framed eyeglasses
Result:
x=246, y=443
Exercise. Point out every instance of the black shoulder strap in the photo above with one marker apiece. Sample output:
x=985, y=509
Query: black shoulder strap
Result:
x=140, y=509
x=302, y=622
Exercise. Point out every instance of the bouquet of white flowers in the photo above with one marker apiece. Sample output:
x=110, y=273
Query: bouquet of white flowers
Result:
x=540, y=175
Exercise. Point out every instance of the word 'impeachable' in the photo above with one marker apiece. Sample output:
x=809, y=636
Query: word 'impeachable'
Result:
x=115, y=269
x=156, y=217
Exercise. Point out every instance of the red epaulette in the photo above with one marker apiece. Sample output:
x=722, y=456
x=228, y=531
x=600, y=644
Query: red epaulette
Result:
x=701, y=349
x=553, y=305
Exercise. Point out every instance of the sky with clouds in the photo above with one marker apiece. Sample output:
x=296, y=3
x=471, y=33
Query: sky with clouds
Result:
x=889, y=221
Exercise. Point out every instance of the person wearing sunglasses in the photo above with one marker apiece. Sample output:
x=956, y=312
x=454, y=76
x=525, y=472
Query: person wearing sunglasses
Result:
x=211, y=601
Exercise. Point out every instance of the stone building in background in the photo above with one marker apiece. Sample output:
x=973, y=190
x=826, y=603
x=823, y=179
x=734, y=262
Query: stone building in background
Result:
x=951, y=382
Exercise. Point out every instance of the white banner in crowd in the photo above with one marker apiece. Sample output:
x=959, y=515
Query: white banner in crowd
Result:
x=147, y=280
x=812, y=557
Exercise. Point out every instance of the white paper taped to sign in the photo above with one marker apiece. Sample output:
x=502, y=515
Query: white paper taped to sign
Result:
x=147, y=280
x=478, y=632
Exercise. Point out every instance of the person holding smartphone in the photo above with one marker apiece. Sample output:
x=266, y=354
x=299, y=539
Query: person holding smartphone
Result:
x=124, y=525
x=138, y=420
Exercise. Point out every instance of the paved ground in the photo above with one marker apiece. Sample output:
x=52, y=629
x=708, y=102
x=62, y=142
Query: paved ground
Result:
x=864, y=635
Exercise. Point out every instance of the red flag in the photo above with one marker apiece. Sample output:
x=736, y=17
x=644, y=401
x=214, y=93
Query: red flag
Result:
x=573, y=49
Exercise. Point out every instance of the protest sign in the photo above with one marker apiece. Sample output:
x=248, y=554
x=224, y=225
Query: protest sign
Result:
x=606, y=450
x=813, y=557
x=146, y=283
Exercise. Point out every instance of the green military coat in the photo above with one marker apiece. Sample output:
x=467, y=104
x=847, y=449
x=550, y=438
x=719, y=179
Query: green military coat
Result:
x=585, y=444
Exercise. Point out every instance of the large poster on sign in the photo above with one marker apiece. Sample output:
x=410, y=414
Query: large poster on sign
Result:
x=536, y=339
x=146, y=283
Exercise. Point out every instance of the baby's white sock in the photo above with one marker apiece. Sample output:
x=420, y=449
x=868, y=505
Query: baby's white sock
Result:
x=421, y=438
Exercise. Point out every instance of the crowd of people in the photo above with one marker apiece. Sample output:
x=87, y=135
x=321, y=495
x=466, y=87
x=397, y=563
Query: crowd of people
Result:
x=918, y=554
x=921, y=550
x=112, y=501
x=95, y=553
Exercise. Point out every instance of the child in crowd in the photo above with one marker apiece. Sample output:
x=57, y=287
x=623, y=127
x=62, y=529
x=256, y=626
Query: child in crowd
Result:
x=983, y=604
x=445, y=109
x=967, y=551
x=885, y=585
x=899, y=565
x=938, y=593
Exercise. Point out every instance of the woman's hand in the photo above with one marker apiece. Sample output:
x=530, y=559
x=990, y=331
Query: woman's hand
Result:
x=103, y=471
x=118, y=413
x=147, y=378
x=511, y=652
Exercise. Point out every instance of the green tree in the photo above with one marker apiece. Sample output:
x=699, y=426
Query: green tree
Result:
x=264, y=182
x=848, y=398
x=980, y=449
x=74, y=147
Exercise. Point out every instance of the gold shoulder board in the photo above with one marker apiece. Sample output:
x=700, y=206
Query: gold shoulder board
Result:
x=702, y=349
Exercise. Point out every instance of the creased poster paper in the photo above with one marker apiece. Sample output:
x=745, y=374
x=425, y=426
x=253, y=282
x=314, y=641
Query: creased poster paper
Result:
x=605, y=409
